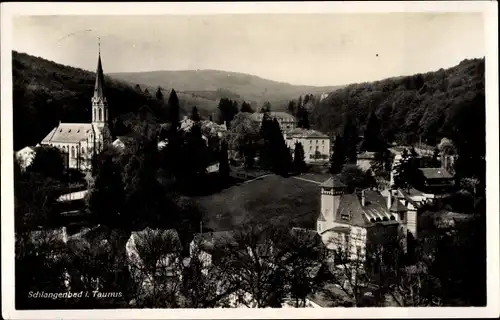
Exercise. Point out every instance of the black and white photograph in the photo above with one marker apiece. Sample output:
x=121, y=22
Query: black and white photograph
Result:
x=210, y=159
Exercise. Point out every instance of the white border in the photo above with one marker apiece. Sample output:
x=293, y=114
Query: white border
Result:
x=490, y=12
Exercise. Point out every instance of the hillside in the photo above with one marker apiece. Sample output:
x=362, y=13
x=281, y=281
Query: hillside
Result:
x=445, y=103
x=45, y=92
x=210, y=83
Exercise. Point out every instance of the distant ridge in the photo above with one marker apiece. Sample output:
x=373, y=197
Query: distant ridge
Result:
x=248, y=87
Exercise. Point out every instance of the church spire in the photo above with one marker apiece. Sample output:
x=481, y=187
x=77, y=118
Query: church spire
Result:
x=99, y=80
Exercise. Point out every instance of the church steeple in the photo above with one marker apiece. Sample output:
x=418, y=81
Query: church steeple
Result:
x=99, y=103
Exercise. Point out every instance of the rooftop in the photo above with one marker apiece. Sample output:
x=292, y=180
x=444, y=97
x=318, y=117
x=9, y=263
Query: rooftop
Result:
x=366, y=155
x=435, y=173
x=69, y=132
x=299, y=132
x=333, y=182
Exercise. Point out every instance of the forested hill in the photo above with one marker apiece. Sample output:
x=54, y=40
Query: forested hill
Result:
x=46, y=92
x=250, y=87
x=429, y=106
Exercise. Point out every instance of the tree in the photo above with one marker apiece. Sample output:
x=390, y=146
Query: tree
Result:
x=405, y=171
x=246, y=107
x=338, y=157
x=173, y=110
x=195, y=116
x=242, y=137
x=156, y=265
x=223, y=161
x=299, y=157
x=228, y=110
x=48, y=161
x=381, y=161
x=266, y=107
x=159, y=95
x=435, y=157
x=107, y=195
x=291, y=107
x=257, y=261
x=303, y=118
x=353, y=177
x=350, y=139
x=372, y=136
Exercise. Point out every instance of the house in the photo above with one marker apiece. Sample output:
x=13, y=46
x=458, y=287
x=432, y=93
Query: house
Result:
x=316, y=144
x=436, y=181
x=286, y=121
x=25, y=156
x=364, y=160
x=80, y=141
x=345, y=217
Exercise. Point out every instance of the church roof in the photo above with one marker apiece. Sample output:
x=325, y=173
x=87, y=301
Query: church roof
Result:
x=99, y=83
x=69, y=132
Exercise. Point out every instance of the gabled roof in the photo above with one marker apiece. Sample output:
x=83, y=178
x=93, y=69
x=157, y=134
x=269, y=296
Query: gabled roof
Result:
x=333, y=182
x=350, y=206
x=299, y=132
x=435, y=173
x=69, y=133
x=397, y=206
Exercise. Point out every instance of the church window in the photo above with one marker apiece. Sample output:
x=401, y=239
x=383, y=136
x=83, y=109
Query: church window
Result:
x=100, y=114
x=105, y=114
x=83, y=150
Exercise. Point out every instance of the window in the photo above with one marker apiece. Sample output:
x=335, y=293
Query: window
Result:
x=73, y=154
x=322, y=141
x=83, y=150
x=358, y=251
x=100, y=114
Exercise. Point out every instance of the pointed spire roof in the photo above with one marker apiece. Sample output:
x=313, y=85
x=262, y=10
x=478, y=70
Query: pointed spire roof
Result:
x=99, y=80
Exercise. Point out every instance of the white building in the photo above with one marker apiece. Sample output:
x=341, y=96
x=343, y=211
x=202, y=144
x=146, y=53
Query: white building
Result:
x=364, y=160
x=286, y=121
x=25, y=157
x=346, y=217
x=316, y=144
x=80, y=141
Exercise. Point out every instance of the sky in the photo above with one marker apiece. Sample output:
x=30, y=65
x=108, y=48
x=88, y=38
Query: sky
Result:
x=302, y=49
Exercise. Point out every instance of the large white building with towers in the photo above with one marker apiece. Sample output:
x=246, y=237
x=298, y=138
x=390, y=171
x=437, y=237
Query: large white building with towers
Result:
x=346, y=217
x=80, y=141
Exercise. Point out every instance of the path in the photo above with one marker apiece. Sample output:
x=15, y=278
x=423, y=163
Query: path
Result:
x=307, y=180
x=258, y=178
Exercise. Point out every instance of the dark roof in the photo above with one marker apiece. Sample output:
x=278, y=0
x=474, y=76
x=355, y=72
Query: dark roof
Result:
x=350, y=206
x=333, y=182
x=435, y=173
x=375, y=203
x=397, y=206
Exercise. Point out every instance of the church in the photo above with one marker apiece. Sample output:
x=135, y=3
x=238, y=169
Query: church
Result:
x=78, y=142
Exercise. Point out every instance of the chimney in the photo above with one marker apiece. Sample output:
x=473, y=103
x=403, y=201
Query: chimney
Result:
x=363, y=200
x=389, y=200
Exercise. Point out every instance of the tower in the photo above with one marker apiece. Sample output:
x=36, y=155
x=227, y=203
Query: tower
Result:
x=100, y=111
x=331, y=193
x=99, y=103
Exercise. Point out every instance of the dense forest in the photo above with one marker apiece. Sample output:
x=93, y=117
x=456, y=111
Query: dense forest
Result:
x=423, y=107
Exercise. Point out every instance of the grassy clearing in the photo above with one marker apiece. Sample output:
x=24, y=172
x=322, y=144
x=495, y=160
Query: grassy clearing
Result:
x=272, y=199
